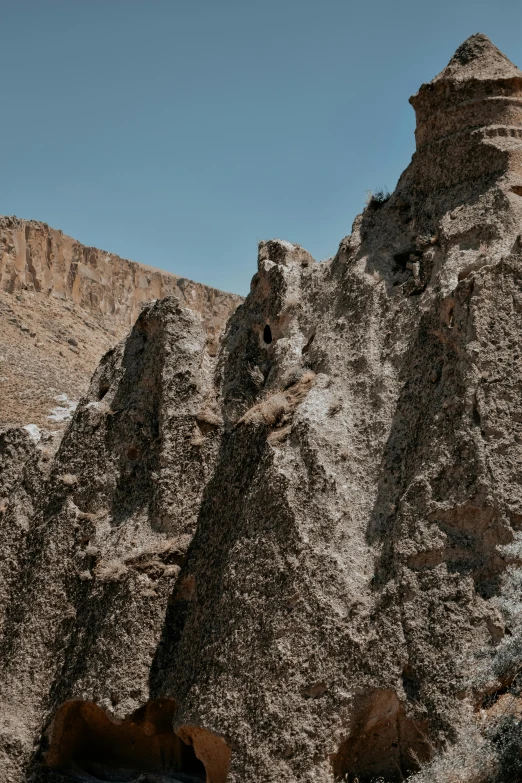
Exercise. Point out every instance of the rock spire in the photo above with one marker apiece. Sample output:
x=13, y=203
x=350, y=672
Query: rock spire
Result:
x=469, y=117
x=478, y=58
x=298, y=561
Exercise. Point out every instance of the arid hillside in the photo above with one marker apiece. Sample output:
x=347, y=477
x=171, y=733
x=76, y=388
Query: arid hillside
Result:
x=62, y=305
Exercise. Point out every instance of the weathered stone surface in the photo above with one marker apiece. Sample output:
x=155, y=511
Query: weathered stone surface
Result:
x=302, y=555
x=37, y=257
x=62, y=305
x=104, y=545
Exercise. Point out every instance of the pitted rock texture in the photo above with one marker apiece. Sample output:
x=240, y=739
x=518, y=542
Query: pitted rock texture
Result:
x=307, y=548
x=63, y=305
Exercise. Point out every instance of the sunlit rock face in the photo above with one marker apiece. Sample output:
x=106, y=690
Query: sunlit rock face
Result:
x=296, y=560
x=478, y=93
x=35, y=257
x=63, y=305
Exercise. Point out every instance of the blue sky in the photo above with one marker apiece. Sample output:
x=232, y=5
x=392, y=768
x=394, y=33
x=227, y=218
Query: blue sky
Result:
x=180, y=132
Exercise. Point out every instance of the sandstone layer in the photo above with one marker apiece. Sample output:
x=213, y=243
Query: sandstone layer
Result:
x=63, y=305
x=298, y=560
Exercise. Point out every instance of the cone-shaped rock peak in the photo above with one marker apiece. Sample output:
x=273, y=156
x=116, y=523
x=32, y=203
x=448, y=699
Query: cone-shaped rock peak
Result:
x=478, y=58
x=479, y=91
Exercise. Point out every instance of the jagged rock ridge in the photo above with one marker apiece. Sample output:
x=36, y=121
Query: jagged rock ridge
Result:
x=298, y=560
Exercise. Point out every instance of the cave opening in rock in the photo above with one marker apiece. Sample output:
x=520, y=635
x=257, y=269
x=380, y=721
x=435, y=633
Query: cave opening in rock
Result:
x=267, y=334
x=383, y=741
x=84, y=741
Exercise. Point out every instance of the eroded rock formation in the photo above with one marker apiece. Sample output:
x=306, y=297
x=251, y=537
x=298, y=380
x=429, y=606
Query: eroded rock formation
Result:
x=302, y=555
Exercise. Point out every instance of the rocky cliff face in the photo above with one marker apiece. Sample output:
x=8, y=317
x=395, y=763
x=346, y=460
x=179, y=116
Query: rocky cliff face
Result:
x=62, y=305
x=35, y=257
x=298, y=560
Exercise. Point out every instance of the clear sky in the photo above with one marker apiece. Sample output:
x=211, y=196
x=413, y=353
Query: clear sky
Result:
x=180, y=132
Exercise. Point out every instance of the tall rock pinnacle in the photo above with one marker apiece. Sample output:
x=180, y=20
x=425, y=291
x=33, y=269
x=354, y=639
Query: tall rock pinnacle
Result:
x=298, y=561
x=478, y=58
x=469, y=117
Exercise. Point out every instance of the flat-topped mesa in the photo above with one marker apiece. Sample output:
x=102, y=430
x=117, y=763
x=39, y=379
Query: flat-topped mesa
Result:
x=469, y=117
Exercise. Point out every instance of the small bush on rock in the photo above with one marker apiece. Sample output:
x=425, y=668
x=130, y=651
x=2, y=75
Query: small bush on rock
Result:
x=378, y=199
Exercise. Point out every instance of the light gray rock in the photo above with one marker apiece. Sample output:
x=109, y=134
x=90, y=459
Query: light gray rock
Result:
x=298, y=561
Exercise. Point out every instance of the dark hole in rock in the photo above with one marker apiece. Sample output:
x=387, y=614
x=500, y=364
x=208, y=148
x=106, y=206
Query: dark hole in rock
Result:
x=85, y=742
x=307, y=347
x=400, y=260
x=102, y=391
x=517, y=189
x=133, y=453
x=418, y=291
x=267, y=334
x=411, y=684
x=383, y=741
x=206, y=427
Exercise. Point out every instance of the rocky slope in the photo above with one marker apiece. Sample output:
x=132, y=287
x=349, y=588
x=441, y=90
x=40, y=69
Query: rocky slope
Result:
x=62, y=305
x=298, y=560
